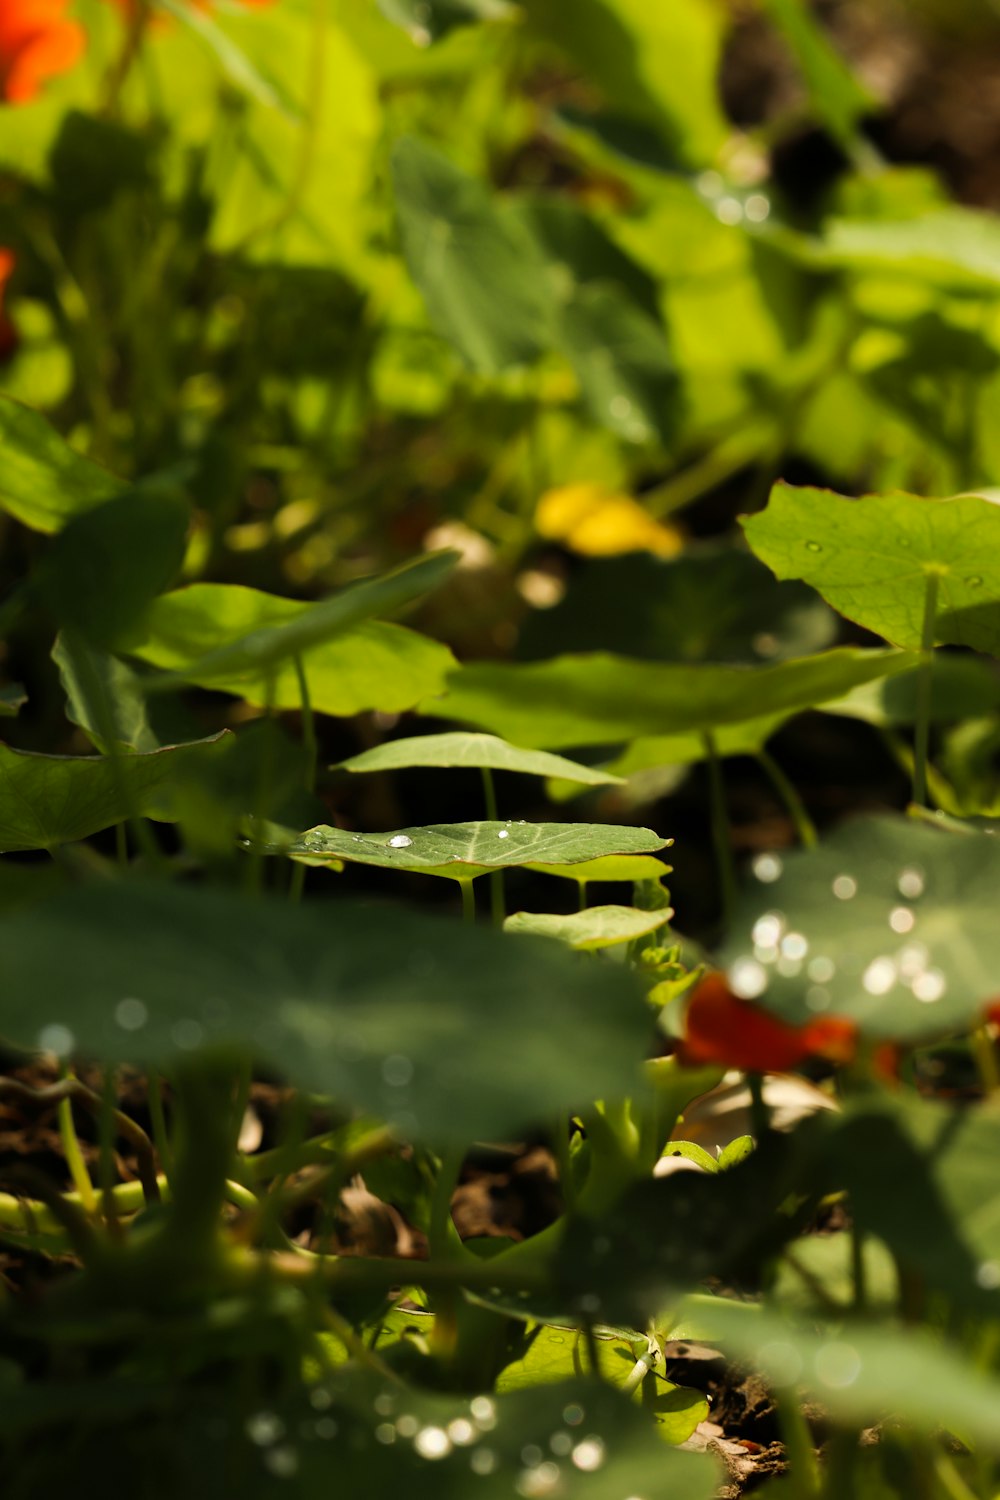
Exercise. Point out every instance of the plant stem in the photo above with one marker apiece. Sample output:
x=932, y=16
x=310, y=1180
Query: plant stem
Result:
x=106, y=1160
x=799, y=1449
x=760, y=1115
x=79, y=1175
x=468, y=901
x=795, y=807
x=308, y=725
x=497, y=903
x=720, y=829
x=859, y=1274
x=924, y=688
x=161, y=1140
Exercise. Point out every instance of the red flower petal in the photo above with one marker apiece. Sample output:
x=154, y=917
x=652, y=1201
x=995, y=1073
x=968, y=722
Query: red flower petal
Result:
x=735, y=1033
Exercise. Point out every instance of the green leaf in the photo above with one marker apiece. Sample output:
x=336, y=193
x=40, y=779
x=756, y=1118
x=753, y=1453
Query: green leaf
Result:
x=451, y=1032
x=597, y=927
x=238, y=68
x=461, y=851
x=872, y=558
x=613, y=867
x=953, y=247
x=474, y=262
x=746, y=738
x=106, y=566
x=263, y=650
x=47, y=800
x=561, y=1353
x=929, y=1191
x=102, y=694
x=622, y=359
x=826, y=1264
x=460, y=748
x=581, y=700
x=837, y=98
x=370, y=666
x=710, y=604
x=862, y=1374
x=13, y=698
x=43, y=482
x=899, y=924
x=691, y=1151
x=737, y=1150
x=964, y=687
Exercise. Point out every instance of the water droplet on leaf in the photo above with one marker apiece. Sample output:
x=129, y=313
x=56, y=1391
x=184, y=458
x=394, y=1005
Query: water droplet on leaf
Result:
x=399, y=841
x=814, y=546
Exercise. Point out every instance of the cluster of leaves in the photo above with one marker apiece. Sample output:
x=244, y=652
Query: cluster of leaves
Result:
x=319, y=312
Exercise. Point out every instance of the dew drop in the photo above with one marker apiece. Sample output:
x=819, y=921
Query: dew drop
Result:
x=821, y=969
x=768, y=929
x=748, y=978
x=131, y=1014
x=988, y=1275
x=814, y=546
x=407, y=1425
x=910, y=884
x=561, y=1444
x=838, y=1365
x=573, y=1415
x=385, y=1433
x=461, y=1432
x=975, y=581
x=503, y=834
x=399, y=841
x=767, y=868
x=264, y=1428
x=557, y=1338
x=282, y=1462
x=484, y=1413
x=901, y=919
x=588, y=1455
x=432, y=1442
x=929, y=986
x=57, y=1039
x=845, y=887
x=794, y=945
x=880, y=976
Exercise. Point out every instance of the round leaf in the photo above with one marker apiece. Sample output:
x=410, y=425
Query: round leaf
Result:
x=597, y=927
x=462, y=748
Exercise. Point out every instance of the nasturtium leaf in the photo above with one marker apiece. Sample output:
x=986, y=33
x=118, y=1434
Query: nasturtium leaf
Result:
x=579, y=253
x=47, y=800
x=452, y=1032
x=476, y=265
x=864, y=1373
x=612, y=867
x=953, y=247
x=890, y=922
x=597, y=927
x=555, y=1354
x=462, y=748
x=462, y=851
x=600, y=698
x=826, y=1262
x=103, y=695
x=964, y=687
x=13, y=698
x=709, y=604
x=43, y=481
x=621, y=356
x=649, y=751
x=373, y=665
x=872, y=558
x=929, y=1191
x=103, y=570
x=264, y=649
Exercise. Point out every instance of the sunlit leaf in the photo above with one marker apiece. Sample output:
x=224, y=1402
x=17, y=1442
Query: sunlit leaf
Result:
x=43, y=482
x=964, y=687
x=453, y=1032
x=597, y=927
x=622, y=358
x=561, y=1353
x=580, y=700
x=102, y=695
x=872, y=558
x=47, y=800
x=364, y=666
x=892, y=924
x=425, y=21
x=479, y=271
x=650, y=751
x=623, y=867
x=461, y=748
x=464, y=850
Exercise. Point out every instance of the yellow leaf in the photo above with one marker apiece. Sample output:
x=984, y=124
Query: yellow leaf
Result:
x=598, y=522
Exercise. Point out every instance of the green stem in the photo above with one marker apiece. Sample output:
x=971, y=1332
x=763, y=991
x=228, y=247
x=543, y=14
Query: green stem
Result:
x=497, y=904
x=859, y=1274
x=308, y=725
x=924, y=689
x=800, y=1451
x=747, y=446
x=720, y=828
x=161, y=1139
x=581, y=888
x=468, y=901
x=760, y=1115
x=106, y=1158
x=795, y=807
x=79, y=1175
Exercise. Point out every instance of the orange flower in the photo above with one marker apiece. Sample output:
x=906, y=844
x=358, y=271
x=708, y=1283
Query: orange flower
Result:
x=735, y=1033
x=8, y=333
x=36, y=43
